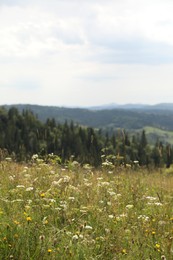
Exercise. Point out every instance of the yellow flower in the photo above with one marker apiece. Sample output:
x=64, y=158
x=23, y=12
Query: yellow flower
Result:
x=153, y=232
x=49, y=251
x=157, y=246
x=45, y=222
x=42, y=195
x=124, y=251
x=16, y=222
x=29, y=219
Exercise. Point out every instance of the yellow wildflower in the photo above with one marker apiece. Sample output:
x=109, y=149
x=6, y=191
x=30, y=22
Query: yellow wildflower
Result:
x=124, y=251
x=157, y=246
x=16, y=222
x=29, y=219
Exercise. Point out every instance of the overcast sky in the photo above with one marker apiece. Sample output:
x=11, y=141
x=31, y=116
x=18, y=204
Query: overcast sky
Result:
x=86, y=52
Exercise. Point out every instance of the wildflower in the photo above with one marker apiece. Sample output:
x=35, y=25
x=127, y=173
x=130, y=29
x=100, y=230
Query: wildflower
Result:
x=29, y=189
x=111, y=193
x=129, y=206
x=35, y=156
x=45, y=221
x=42, y=195
x=8, y=159
x=27, y=207
x=153, y=233
x=88, y=227
x=75, y=238
x=151, y=198
x=42, y=238
x=71, y=198
x=16, y=222
x=143, y=217
x=158, y=204
x=163, y=257
x=11, y=178
x=20, y=186
x=157, y=246
x=49, y=250
x=124, y=251
x=135, y=162
x=29, y=219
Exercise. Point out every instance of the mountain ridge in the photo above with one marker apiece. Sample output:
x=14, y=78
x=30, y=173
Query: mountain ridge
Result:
x=159, y=116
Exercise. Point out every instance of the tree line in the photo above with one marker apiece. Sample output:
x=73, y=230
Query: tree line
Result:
x=22, y=135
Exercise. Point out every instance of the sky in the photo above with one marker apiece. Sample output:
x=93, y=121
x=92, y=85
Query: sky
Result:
x=79, y=53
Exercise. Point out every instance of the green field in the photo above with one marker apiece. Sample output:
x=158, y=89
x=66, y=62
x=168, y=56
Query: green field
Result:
x=153, y=134
x=48, y=211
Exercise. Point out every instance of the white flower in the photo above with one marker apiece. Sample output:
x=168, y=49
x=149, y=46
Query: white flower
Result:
x=111, y=193
x=8, y=159
x=88, y=227
x=20, y=186
x=11, y=178
x=35, y=156
x=29, y=188
x=143, y=217
x=75, y=238
x=71, y=198
x=56, y=183
x=130, y=206
x=151, y=198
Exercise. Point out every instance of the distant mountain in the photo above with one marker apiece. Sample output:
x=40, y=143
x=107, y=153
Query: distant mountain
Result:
x=117, y=106
x=129, y=117
x=161, y=106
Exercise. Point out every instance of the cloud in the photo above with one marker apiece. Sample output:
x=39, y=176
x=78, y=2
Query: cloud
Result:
x=111, y=31
x=67, y=51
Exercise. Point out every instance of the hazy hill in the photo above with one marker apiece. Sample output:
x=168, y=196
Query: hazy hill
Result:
x=136, y=117
x=162, y=106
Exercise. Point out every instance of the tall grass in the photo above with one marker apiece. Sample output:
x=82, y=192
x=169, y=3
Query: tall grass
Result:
x=52, y=212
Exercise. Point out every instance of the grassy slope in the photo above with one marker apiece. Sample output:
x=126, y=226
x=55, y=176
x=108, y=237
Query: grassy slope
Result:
x=153, y=134
x=50, y=212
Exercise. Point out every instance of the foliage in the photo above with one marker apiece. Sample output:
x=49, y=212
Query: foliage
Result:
x=130, y=119
x=22, y=135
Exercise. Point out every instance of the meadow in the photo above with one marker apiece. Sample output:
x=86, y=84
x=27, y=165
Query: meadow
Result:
x=50, y=211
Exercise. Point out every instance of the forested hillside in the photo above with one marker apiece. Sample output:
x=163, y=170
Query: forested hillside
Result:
x=130, y=119
x=22, y=135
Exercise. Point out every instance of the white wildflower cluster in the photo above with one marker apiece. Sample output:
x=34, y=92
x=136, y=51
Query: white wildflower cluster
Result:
x=129, y=206
x=35, y=157
x=103, y=184
x=153, y=201
x=143, y=218
x=64, y=180
x=30, y=189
